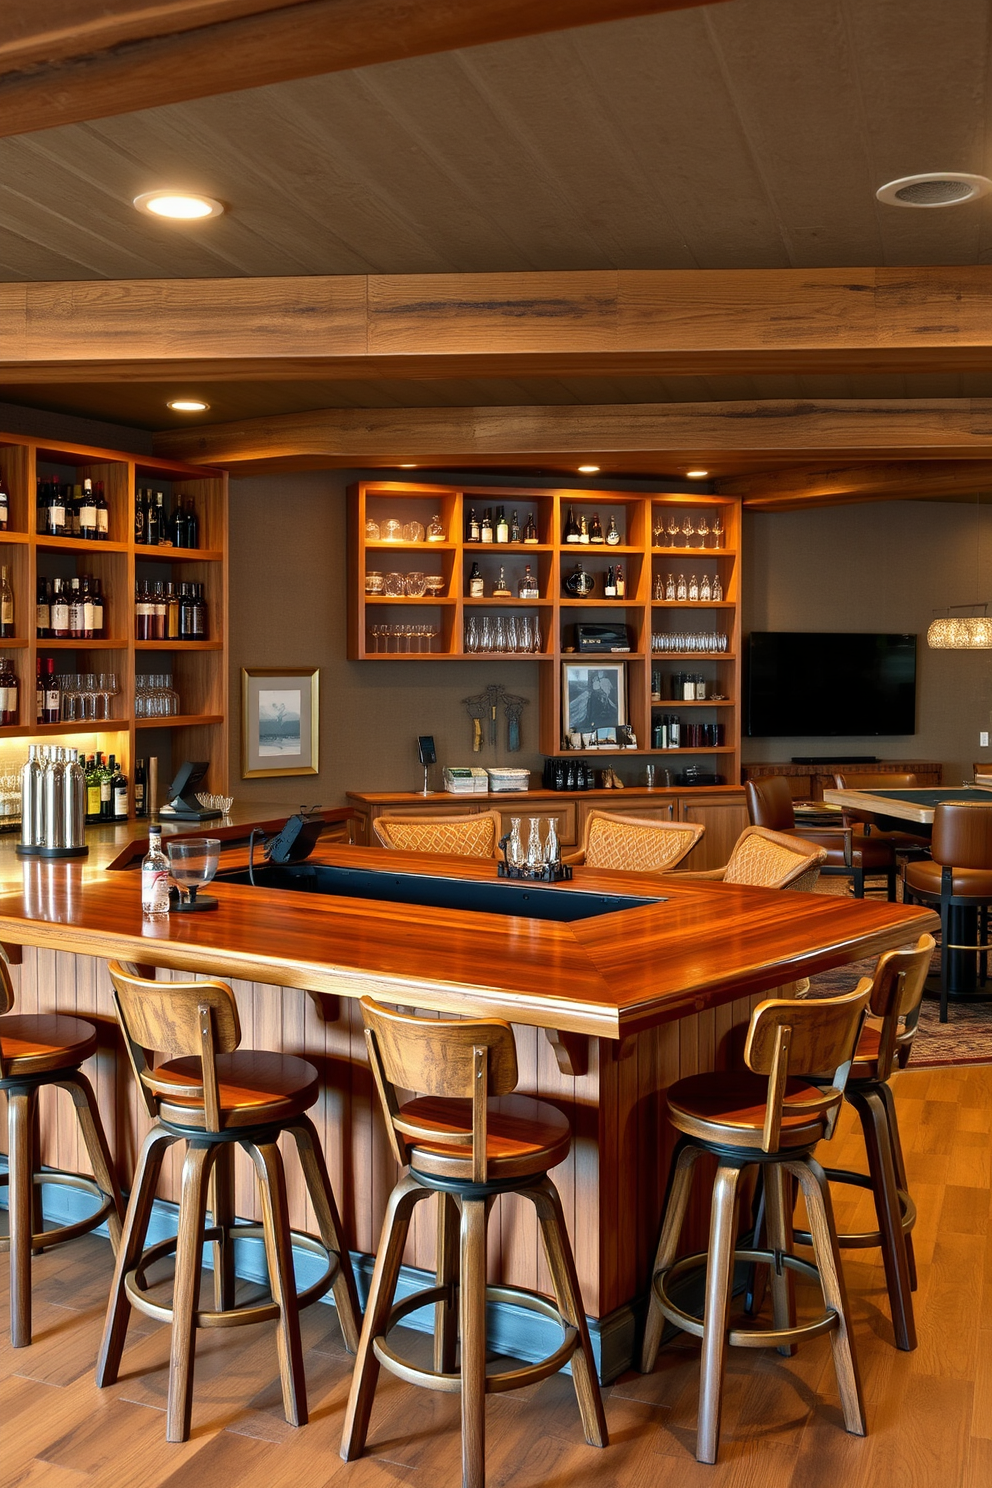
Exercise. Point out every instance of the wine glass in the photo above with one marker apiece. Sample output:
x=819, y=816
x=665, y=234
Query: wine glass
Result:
x=193, y=863
x=672, y=531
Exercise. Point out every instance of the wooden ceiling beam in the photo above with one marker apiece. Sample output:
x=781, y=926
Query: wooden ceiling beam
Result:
x=896, y=480
x=62, y=64
x=605, y=322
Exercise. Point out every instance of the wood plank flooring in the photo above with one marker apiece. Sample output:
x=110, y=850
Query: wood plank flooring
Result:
x=929, y=1412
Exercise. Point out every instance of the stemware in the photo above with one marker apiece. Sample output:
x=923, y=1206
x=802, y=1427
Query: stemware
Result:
x=688, y=531
x=193, y=863
x=672, y=530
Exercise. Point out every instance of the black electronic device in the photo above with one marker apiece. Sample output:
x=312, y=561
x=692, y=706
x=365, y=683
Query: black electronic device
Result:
x=298, y=837
x=182, y=804
x=602, y=638
x=830, y=684
x=426, y=750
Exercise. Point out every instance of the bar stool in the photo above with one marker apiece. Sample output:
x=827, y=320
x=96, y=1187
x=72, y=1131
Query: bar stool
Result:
x=38, y=1049
x=473, y=836
x=894, y=995
x=769, y=804
x=773, y=1118
x=212, y=1096
x=958, y=882
x=634, y=844
x=467, y=1139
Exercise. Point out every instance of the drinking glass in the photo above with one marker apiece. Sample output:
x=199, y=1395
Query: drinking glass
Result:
x=395, y=585
x=672, y=531
x=719, y=535
x=486, y=634
x=511, y=633
x=703, y=529
x=537, y=633
x=472, y=634
x=435, y=584
x=371, y=531
x=374, y=582
x=416, y=585
x=525, y=634
x=193, y=863
x=688, y=531
x=499, y=634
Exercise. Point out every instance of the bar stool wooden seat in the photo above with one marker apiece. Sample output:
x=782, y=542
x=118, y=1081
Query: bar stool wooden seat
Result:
x=213, y=1095
x=466, y=1138
x=38, y=1049
x=772, y=1116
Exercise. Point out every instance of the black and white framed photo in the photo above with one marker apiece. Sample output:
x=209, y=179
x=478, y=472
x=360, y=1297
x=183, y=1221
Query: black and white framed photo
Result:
x=593, y=698
x=279, y=722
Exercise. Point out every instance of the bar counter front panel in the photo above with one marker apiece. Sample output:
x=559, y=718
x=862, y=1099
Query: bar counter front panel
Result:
x=643, y=997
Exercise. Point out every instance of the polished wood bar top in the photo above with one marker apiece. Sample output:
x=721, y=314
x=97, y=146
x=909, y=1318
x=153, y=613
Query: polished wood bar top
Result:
x=610, y=975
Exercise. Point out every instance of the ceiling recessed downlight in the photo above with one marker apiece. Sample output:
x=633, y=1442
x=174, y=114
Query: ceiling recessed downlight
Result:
x=697, y=474
x=188, y=405
x=588, y=469
x=178, y=206
x=934, y=189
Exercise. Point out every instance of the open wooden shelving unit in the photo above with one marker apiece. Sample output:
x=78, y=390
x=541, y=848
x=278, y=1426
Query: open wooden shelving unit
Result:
x=638, y=516
x=198, y=668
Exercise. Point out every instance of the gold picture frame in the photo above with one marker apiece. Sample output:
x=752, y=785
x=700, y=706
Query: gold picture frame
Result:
x=280, y=721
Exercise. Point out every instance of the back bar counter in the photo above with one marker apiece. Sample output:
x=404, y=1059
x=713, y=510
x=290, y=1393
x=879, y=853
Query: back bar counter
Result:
x=608, y=1009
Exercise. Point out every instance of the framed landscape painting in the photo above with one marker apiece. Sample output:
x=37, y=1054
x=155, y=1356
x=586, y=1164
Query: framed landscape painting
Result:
x=279, y=721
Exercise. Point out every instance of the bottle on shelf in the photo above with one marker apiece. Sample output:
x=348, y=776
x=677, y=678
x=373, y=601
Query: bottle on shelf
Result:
x=612, y=534
x=473, y=529
x=610, y=585
x=160, y=610
x=155, y=876
x=4, y=504
x=716, y=589
x=193, y=526
x=152, y=532
x=140, y=789
x=530, y=531
x=476, y=587
x=102, y=515
x=118, y=787
x=7, y=627
x=51, y=705
x=171, y=612
x=502, y=526
x=199, y=617
x=77, y=614
x=9, y=701
x=571, y=527
x=52, y=523
x=527, y=586
x=107, y=772
x=583, y=529
x=515, y=533
x=486, y=530
x=96, y=592
x=140, y=515
x=39, y=694
x=501, y=589
x=620, y=582
x=59, y=612
x=579, y=584
x=88, y=525
x=144, y=612
x=93, y=788
x=177, y=524
x=595, y=530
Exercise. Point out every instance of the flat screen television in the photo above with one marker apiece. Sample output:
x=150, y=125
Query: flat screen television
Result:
x=829, y=684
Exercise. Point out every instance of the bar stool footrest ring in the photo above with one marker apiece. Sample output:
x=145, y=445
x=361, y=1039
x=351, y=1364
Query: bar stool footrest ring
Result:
x=505, y=1379
x=58, y=1233
x=867, y=1239
x=233, y=1317
x=743, y=1337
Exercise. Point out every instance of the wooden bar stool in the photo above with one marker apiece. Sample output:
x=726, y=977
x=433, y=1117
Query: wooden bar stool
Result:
x=39, y=1049
x=774, y=1118
x=895, y=993
x=212, y=1096
x=467, y=1139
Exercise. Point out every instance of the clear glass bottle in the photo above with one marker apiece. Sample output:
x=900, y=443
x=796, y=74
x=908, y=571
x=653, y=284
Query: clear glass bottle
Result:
x=716, y=591
x=705, y=589
x=693, y=587
x=435, y=529
x=155, y=876
x=552, y=848
x=501, y=589
x=515, y=846
x=670, y=586
x=596, y=531
x=681, y=587
x=535, y=851
x=527, y=586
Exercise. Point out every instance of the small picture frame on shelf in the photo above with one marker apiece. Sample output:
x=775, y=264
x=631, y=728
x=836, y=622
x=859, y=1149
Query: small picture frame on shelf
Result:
x=280, y=719
x=593, y=697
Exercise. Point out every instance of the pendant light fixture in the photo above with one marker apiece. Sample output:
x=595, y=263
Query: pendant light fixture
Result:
x=965, y=632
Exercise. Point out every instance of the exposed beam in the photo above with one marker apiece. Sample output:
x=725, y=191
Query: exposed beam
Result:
x=605, y=322
x=63, y=64
x=655, y=435
x=897, y=480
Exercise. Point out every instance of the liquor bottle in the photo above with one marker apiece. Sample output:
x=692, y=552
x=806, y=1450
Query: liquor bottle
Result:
x=502, y=526
x=39, y=696
x=87, y=608
x=530, y=531
x=185, y=612
x=4, y=504
x=527, y=586
x=152, y=533
x=159, y=611
x=51, y=706
x=177, y=524
x=140, y=788
x=155, y=876
x=93, y=788
x=681, y=588
x=140, y=515
x=98, y=631
x=200, y=626
x=192, y=538
x=102, y=514
x=107, y=772
x=579, y=584
x=88, y=523
x=717, y=588
x=73, y=502
x=473, y=531
x=6, y=604
x=583, y=529
x=55, y=511
x=77, y=622
x=612, y=535
x=8, y=693
x=487, y=525
x=41, y=507
x=596, y=531
x=143, y=612
x=515, y=533
x=501, y=589
x=610, y=586
x=118, y=786
x=476, y=587
x=171, y=613
x=620, y=583
x=571, y=528
x=59, y=613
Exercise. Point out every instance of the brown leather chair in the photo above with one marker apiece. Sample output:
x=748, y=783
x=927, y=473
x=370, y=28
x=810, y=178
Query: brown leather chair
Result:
x=957, y=881
x=902, y=842
x=769, y=804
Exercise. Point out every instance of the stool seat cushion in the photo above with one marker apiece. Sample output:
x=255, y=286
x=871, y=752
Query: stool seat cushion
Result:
x=255, y=1087
x=36, y=1043
x=973, y=883
x=729, y=1107
x=524, y=1136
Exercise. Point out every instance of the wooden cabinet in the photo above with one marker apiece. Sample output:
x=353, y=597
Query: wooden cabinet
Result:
x=807, y=782
x=198, y=668
x=391, y=615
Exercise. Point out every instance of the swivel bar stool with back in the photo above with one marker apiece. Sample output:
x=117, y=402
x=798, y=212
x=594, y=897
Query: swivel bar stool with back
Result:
x=467, y=1139
x=38, y=1049
x=957, y=881
x=772, y=1117
x=769, y=804
x=213, y=1096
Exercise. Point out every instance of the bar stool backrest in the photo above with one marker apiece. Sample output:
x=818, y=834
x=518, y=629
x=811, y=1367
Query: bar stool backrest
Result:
x=176, y=1019
x=896, y=994
x=794, y=1039
x=637, y=844
x=450, y=1059
x=769, y=803
x=773, y=860
x=962, y=834
x=471, y=836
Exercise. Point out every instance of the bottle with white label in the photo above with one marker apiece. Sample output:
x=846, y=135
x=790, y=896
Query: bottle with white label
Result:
x=87, y=513
x=8, y=693
x=6, y=603
x=475, y=583
x=155, y=876
x=527, y=586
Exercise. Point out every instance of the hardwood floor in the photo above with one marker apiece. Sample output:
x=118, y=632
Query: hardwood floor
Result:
x=929, y=1412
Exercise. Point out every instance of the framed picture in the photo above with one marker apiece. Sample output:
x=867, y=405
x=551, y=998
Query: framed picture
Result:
x=279, y=721
x=593, y=698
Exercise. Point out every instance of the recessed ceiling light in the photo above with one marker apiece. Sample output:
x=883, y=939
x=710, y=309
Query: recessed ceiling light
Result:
x=179, y=206
x=588, y=469
x=188, y=405
x=934, y=189
x=697, y=474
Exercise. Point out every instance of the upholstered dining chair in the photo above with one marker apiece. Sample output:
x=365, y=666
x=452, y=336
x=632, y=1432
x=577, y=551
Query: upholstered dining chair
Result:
x=769, y=804
x=768, y=860
x=470, y=836
x=634, y=844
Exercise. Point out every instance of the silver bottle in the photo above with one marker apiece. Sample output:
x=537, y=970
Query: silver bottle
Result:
x=30, y=797
x=74, y=801
x=53, y=791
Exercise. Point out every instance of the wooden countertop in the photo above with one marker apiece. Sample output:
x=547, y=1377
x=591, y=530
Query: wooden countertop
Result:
x=609, y=976
x=540, y=795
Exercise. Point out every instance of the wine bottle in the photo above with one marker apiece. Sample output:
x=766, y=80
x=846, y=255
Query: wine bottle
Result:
x=102, y=514
x=487, y=525
x=59, y=613
x=119, y=795
x=92, y=789
x=177, y=524
x=596, y=531
x=43, y=610
x=583, y=529
x=140, y=788
x=88, y=523
x=530, y=531
x=185, y=613
x=502, y=526
x=612, y=535
x=192, y=536
x=6, y=604
x=171, y=613
x=76, y=617
x=152, y=533
x=98, y=631
x=473, y=531
x=159, y=611
x=39, y=710
x=8, y=693
x=87, y=608
x=56, y=511
x=143, y=612
x=107, y=773
x=476, y=587
x=51, y=707
x=140, y=515
x=571, y=528
x=200, y=626
x=4, y=504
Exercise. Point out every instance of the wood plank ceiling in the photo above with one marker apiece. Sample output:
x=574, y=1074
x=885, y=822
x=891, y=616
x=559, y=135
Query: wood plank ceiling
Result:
x=746, y=134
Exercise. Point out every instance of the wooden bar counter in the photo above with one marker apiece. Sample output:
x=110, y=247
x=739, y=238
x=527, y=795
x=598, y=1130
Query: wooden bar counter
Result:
x=631, y=1000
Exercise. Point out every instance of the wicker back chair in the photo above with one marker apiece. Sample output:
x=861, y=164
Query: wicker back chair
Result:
x=769, y=860
x=634, y=844
x=471, y=836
